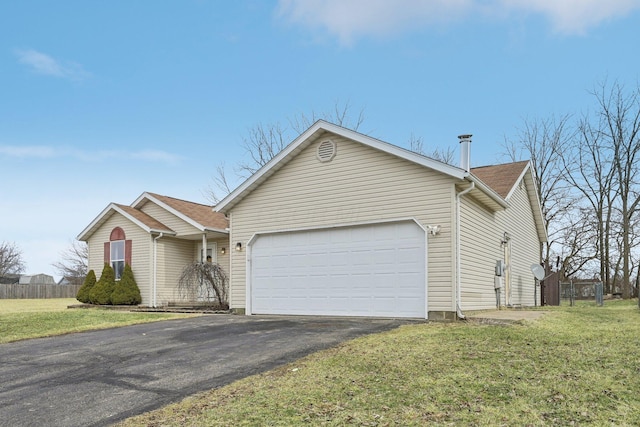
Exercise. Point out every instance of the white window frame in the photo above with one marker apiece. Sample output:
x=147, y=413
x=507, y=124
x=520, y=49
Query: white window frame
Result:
x=212, y=249
x=113, y=259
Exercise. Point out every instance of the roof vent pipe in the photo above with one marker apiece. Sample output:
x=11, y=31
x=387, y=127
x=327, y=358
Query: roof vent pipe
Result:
x=465, y=154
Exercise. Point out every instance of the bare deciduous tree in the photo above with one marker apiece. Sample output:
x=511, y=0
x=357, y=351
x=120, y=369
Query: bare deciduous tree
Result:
x=11, y=261
x=619, y=120
x=448, y=155
x=544, y=142
x=264, y=141
x=341, y=116
x=74, y=262
x=579, y=248
x=262, y=144
x=204, y=281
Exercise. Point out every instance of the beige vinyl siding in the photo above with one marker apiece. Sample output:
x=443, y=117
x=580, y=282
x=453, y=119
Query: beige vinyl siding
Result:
x=141, y=255
x=360, y=184
x=479, y=250
x=481, y=236
x=518, y=220
x=173, y=256
x=170, y=220
x=222, y=259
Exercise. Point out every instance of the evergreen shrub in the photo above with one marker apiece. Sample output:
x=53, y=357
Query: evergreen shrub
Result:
x=126, y=291
x=101, y=292
x=87, y=285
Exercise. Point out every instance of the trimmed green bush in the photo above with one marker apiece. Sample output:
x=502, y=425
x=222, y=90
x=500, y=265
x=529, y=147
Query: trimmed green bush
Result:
x=87, y=285
x=126, y=291
x=101, y=292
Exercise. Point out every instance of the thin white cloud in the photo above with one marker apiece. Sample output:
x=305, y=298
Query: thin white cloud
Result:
x=42, y=63
x=156, y=156
x=351, y=19
x=47, y=152
x=35, y=151
x=348, y=20
x=575, y=16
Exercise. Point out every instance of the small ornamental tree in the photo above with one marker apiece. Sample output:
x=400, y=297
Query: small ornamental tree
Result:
x=85, y=289
x=101, y=292
x=126, y=291
x=205, y=281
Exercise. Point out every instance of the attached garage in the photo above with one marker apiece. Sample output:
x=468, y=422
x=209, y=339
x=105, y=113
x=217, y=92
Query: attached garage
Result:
x=359, y=270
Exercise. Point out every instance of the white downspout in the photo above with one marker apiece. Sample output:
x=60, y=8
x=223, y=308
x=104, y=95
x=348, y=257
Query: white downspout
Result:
x=154, y=296
x=458, y=268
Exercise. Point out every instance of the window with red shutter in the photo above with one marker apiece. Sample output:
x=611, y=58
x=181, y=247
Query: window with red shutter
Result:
x=117, y=251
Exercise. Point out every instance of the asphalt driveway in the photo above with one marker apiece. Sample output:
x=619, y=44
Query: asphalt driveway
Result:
x=98, y=378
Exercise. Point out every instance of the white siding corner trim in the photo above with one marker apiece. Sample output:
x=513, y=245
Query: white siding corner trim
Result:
x=376, y=269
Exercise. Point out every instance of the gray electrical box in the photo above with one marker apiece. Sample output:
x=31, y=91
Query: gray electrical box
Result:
x=499, y=267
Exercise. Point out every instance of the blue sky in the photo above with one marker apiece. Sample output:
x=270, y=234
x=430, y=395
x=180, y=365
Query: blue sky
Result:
x=101, y=101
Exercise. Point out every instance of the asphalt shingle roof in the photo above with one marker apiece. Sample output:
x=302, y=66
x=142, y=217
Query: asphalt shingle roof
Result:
x=147, y=220
x=202, y=214
x=500, y=178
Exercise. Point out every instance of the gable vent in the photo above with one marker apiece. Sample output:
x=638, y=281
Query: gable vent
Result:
x=326, y=151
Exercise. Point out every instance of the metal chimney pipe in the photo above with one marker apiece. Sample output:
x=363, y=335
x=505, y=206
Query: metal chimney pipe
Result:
x=465, y=152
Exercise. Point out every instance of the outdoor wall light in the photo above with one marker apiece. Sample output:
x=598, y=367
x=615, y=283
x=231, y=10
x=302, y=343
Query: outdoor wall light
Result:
x=223, y=251
x=238, y=246
x=434, y=230
x=505, y=238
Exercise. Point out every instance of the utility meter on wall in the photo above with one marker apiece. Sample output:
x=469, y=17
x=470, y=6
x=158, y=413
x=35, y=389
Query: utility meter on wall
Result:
x=499, y=267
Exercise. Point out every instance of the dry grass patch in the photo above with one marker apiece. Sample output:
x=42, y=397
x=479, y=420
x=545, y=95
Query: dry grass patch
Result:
x=576, y=366
x=35, y=318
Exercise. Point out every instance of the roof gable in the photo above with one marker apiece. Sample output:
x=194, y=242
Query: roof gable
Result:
x=319, y=130
x=202, y=217
x=502, y=178
x=199, y=216
x=491, y=185
x=141, y=219
x=505, y=179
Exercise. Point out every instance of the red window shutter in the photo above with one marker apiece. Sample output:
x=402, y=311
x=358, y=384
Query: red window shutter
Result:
x=107, y=252
x=127, y=252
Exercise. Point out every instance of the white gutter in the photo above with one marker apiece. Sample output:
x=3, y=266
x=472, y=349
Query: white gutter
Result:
x=154, y=296
x=458, y=268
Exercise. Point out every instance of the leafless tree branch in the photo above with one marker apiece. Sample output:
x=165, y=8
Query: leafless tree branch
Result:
x=204, y=281
x=74, y=262
x=11, y=261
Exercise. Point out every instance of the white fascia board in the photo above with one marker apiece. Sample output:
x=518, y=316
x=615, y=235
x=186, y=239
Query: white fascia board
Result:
x=521, y=177
x=488, y=191
x=141, y=224
x=87, y=231
x=401, y=152
x=249, y=182
x=217, y=230
x=321, y=125
x=168, y=208
x=536, y=205
x=113, y=207
x=532, y=193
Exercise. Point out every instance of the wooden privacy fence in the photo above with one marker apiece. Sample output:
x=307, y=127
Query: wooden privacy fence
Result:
x=16, y=291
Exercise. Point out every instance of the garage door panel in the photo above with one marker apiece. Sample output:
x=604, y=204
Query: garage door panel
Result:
x=373, y=270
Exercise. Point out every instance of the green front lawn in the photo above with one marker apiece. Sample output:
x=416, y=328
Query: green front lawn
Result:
x=33, y=318
x=575, y=366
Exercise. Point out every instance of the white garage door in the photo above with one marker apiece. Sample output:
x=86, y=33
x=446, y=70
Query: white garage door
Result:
x=370, y=270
